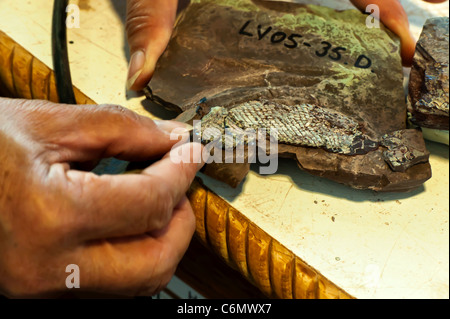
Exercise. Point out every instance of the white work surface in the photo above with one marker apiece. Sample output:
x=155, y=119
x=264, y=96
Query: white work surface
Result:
x=371, y=245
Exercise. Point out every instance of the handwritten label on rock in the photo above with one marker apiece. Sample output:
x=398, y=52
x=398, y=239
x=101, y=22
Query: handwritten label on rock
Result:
x=293, y=40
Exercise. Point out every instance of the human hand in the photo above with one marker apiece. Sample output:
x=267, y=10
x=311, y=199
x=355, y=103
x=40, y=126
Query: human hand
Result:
x=127, y=233
x=149, y=27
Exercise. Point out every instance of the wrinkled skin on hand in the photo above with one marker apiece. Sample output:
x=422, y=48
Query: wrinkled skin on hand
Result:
x=127, y=233
x=150, y=22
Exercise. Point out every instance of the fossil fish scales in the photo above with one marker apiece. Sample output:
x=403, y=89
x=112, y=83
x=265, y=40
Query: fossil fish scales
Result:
x=305, y=124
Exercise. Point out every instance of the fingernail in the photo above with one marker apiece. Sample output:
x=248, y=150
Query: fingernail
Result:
x=137, y=62
x=173, y=127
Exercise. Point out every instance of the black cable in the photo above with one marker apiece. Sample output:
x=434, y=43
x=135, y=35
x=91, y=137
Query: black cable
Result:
x=61, y=64
x=63, y=77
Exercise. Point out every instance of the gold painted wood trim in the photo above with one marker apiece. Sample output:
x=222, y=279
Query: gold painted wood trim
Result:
x=245, y=247
x=24, y=76
x=265, y=262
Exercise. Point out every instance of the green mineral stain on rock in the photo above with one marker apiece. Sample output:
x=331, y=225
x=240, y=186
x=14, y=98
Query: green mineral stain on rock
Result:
x=243, y=5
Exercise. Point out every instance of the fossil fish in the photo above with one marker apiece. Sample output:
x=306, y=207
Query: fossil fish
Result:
x=302, y=125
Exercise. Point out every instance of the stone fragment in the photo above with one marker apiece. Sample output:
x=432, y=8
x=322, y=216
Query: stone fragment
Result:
x=429, y=80
x=405, y=148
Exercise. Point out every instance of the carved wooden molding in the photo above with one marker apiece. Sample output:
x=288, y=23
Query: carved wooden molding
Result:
x=24, y=76
x=265, y=262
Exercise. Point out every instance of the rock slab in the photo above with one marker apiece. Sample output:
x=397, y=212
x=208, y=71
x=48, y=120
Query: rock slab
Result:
x=295, y=61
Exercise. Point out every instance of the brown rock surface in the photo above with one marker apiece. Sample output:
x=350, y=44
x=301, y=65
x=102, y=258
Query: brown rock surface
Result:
x=314, y=61
x=428, y=88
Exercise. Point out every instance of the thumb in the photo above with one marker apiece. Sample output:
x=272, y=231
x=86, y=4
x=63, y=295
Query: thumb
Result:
x=149, y=27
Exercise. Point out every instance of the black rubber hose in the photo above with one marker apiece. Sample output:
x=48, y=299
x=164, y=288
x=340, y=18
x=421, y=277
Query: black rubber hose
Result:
x=61, y=64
